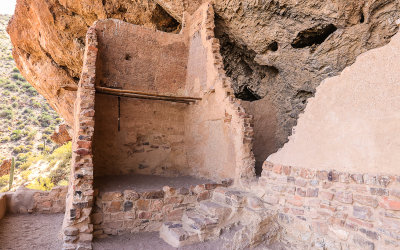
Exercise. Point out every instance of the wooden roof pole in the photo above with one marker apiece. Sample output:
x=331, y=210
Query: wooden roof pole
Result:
x=142, y=95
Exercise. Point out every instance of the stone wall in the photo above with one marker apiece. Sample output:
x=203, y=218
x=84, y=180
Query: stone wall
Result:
x=136, y=58
x=25, y=200
x=132, y=211
x=352, y=123
x=77, y=228
x=210, y=138
x=332, y=209
x=150, y=139
x=218, y=131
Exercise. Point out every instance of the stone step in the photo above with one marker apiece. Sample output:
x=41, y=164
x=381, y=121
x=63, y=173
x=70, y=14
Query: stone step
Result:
x=174, y=234
x=215, y=209
x=197, y=222
x=230, y=197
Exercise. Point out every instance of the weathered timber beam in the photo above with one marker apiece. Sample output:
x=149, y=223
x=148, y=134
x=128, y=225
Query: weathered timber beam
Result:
x=142, y=95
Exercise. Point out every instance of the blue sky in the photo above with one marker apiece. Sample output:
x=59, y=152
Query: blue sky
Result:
x=7, y=6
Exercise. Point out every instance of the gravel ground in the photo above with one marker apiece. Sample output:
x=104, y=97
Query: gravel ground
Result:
x=31, y=232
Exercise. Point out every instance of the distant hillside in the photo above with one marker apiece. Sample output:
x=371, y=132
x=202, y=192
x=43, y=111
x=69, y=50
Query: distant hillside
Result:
x=26, y=120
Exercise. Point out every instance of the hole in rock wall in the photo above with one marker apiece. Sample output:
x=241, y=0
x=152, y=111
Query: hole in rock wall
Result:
x=362, y=17
x=313, y=36
x=249, y=78
x=273, y=46
x=164, y=21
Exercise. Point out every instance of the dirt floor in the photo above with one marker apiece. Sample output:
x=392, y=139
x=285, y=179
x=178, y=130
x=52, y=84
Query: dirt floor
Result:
x=31, y=232
x=42, y=232
x=144, y=241
x=142, y=183
x=152, y=241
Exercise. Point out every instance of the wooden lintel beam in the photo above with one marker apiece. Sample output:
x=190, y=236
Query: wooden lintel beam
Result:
x=142, y=95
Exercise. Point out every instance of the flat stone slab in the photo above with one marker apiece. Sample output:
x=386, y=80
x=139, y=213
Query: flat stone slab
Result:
x=143, y=183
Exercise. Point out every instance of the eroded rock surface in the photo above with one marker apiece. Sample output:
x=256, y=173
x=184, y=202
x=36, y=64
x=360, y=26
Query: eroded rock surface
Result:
x=276, y=52
x=49, y=40
x=61, y=135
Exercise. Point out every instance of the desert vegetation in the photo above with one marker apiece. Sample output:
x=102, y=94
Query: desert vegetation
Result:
x=26, y=124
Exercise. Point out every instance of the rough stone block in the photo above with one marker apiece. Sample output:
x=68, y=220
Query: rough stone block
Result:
x=390, y=204
x=344, y=197
x=176, y=236
x=363, y=243
x=214, y=209
x=71, y=231
x=364, y=213
x=365, y=200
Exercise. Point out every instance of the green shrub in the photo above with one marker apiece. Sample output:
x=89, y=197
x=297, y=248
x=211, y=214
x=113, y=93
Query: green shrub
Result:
x=45, y=119
x=11, y=87
x=7, y=114
x=27, y=111
x=32, y=159
x=15, y=70
x=17, y=76
x=31, y=135
x=5, y=139
x=4, y=180
x=31, y=91
x=20, y=149
x=62, y=156
x=25, y=174
x=4, y=81
x=16, y=135
x=36, y=104
x=41, y=183
x=48, y=131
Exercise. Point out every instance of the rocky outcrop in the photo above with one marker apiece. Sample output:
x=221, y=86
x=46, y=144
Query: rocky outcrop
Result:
x=5, y=167
x=49, y=40
x=276, y=52
x=61, y=135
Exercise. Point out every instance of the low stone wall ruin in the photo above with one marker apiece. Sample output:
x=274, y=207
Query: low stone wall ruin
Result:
x=25, y=200
x=131, y=211
x=333, y=209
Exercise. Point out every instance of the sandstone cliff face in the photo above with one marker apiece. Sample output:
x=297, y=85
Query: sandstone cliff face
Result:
x=276, y=52
x=49, y=37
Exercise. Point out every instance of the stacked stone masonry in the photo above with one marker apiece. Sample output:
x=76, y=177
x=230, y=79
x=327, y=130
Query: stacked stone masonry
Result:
x=131, y=211
x=25, y=200
x=77, y=227
x=331, y=209
x=215, y=133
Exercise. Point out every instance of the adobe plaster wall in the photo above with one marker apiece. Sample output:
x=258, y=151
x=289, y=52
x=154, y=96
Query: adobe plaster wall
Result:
x=265, y=124
x=150, y=140
x=203, y=139
x=217, y=126
x=136, y=58
x=214, y=133
x=353, y=122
